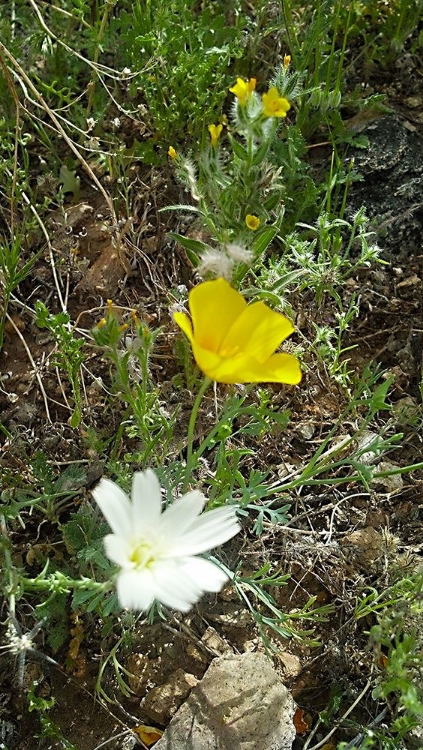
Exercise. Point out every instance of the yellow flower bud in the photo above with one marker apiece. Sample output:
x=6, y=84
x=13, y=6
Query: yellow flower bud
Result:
x=215, y=131
x=286, y=61
x=171, y=152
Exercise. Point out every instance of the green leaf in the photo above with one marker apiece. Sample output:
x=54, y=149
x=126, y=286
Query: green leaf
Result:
x=194, y=248
x=263, y=240
x=70, y=182
x=238, y=150
x=260, y=153
x=273, y=200
x=110, y=605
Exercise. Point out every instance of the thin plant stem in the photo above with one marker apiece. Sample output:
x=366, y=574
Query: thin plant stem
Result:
x=9, y=566
x=34, y=366
x=190, y=437
x=108, y=5
x=306, y=482
x=41, y=101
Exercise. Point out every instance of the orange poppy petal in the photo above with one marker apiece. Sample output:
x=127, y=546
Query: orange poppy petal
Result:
x=257, y=332
x=214, y=307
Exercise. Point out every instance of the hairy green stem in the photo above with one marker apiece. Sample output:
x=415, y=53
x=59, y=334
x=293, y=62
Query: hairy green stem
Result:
x=304, y=481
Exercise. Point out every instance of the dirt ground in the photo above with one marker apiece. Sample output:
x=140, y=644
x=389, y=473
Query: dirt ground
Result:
x=318, y=548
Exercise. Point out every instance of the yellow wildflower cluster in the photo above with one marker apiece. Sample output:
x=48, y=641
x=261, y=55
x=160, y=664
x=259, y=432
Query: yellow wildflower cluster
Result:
x=274, y=105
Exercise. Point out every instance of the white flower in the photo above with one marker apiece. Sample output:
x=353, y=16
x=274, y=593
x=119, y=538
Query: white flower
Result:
x=157, y=552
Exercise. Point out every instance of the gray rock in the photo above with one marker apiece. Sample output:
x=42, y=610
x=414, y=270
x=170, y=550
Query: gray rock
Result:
x=393, y=483
x=391, y=169
x=240, y=704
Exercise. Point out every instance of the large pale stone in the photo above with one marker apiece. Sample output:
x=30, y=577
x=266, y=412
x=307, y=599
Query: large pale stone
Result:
x=240, y=704
x=162, y=702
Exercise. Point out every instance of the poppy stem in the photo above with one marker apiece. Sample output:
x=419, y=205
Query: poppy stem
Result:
x=190, y=437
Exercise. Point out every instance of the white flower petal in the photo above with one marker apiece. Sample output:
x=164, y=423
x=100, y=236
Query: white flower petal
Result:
x=180, y=516
x=206, y=574
x=117, y=550
x=135, y=589
x=173, y=588
x=114, y=505
x=208, y=531
x=146, y=501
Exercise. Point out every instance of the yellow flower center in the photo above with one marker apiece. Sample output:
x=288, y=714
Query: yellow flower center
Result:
x=142, y=555
x=228, y=352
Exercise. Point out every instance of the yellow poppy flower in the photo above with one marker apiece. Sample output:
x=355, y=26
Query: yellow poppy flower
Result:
x=243, y=90
x=171, y=152
x=274, y=105
x=233, y=342
x=215, y=131
x=252, y=222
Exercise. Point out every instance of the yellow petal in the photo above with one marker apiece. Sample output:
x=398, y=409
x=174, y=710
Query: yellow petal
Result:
x=274, y=105
x=148, y=735
x=243, y=90
x=286, y=366
x=184, y=323
x=280, y=368
x=257, y=332
x=213, y=365
x=214, y=307
x=240, y=89
x=215, y=131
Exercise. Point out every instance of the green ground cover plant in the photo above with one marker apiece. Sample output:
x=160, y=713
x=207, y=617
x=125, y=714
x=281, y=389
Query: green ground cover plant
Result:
x=189, y=405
